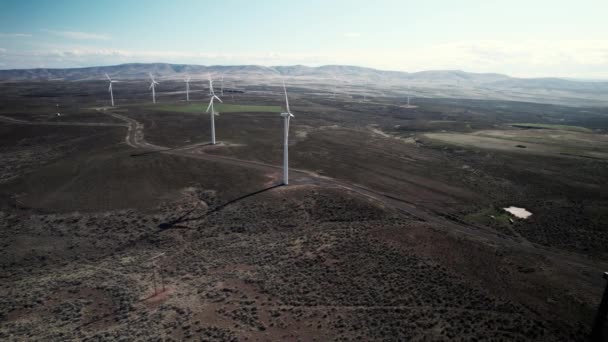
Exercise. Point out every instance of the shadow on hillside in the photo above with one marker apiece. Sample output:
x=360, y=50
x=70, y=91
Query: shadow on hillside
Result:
x=175, y=223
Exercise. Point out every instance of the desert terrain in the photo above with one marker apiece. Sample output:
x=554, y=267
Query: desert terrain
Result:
x=392, y=227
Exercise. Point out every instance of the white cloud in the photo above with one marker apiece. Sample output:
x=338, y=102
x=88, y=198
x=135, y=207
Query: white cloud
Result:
x=15, y=35
x=79, y=35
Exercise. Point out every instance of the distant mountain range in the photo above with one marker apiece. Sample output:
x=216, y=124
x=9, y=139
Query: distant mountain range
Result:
x=453, y=82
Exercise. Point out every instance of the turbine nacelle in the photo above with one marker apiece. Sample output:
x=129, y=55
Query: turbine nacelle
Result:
x=153, y=83
x=210, y=106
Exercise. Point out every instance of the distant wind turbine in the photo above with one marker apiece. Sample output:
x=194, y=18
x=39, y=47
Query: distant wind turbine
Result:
x=110, y=89
x=187, y=80
x=152, y=86
x=286, y=116
x=213, y=112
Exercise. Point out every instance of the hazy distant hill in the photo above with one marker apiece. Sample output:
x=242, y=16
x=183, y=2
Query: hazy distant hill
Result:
x=446, y=83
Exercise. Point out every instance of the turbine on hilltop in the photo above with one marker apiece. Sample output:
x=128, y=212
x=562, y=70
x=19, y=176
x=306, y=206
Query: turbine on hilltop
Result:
x=152, y=86
x=213, y=112
x=187, y=80
x=286, y=116
x=110, y=89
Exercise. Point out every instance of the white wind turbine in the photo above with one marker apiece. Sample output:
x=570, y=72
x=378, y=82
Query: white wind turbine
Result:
x=152, y=86
x=187, y=80
x=213, y=112
x=110, y=89
x=286, y=116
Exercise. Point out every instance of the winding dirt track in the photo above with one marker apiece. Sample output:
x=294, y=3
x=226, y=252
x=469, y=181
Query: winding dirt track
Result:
x=59, y=123
x=135, y=139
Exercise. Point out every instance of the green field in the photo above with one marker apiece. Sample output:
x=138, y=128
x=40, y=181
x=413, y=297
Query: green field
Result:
x=489, y=216
x=550, y=126
x=219, y=107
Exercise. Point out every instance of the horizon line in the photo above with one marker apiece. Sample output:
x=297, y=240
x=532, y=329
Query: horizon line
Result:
x=312, y=67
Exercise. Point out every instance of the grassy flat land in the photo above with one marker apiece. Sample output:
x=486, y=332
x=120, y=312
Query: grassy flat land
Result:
x=550, y=126
x=566, y=143
x=220, y=107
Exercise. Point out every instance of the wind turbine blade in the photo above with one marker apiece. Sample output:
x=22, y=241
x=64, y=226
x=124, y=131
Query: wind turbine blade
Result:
x=151, y=85
x=286, y=99
x=110, y=88
x=108, y=77
x=209, y=106
x=218, y=98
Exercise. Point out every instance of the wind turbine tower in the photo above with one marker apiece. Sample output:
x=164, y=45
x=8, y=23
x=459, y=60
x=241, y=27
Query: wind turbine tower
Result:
x=213, y=112
x=187, y=80
x=152, y=86
x=286, y=116
x=210, y=86
x=110, y=89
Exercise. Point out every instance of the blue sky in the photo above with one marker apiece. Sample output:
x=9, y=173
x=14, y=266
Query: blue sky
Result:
x=522, y=38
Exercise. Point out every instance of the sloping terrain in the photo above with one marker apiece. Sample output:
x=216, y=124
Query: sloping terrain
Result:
x=381, y=234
